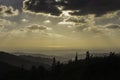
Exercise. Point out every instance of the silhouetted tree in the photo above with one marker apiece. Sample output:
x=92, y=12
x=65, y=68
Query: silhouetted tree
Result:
x=112, y=54
x=54, y=62
x=76, y=57
x=87, y=55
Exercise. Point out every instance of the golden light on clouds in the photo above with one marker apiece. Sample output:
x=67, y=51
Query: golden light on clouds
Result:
x=58, y=30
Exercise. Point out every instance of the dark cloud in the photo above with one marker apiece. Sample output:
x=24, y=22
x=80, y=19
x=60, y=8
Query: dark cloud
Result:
x=113, y=26
x=98, y=7
x=42, y=6
x=83, y=7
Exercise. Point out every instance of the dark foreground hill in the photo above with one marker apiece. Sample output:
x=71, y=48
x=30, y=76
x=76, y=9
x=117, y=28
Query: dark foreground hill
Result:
x=6, y=68
x=90, y=68
x=25, y=61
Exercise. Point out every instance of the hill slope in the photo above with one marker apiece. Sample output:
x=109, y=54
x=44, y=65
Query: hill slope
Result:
x=26, y=61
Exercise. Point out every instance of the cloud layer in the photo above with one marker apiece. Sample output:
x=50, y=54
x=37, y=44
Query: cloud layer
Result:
x=72, y=24
x=80, y=7
x=8, y=11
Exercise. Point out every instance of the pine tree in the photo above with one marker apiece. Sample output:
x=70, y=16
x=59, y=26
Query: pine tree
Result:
x=76, y=57
x=54, y=62
x=87, y=55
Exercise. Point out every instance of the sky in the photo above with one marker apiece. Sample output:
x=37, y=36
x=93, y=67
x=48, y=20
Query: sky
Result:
x=31, y=25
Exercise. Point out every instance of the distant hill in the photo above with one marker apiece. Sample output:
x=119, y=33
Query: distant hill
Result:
x=46, y=56
x=64, y=57
x=25, y=61
x=37, y=59
x=58, y=58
